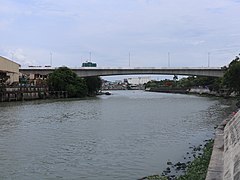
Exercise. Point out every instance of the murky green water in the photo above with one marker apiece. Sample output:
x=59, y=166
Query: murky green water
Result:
x=125, y=136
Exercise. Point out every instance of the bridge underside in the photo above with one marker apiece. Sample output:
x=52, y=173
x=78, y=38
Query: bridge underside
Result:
x=87, y=72
x=188, y=72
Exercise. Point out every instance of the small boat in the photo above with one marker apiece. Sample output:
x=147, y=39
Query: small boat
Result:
x=107, y=93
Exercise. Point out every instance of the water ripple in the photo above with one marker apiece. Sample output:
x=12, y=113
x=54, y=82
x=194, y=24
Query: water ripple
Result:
x=125, y=136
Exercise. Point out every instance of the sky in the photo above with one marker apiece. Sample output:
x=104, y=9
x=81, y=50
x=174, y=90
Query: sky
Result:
x=156, y=33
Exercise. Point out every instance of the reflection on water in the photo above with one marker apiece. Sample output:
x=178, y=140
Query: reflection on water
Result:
x=128, y=135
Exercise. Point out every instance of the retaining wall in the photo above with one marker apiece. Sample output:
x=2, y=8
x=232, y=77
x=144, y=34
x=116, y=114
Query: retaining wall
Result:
x=232, y=149
x=225, y=159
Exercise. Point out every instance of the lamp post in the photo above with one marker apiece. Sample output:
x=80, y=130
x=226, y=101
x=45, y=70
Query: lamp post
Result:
x=51, y=59
x=168, y=59
x=129, y=59
x=208, y=59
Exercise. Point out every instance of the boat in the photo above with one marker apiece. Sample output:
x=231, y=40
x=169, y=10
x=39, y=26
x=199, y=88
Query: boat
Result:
x=107, y=93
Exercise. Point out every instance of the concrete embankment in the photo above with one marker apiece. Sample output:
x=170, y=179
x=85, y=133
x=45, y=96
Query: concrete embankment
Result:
x=169, y=90
x=225, y=159
x=29, y=93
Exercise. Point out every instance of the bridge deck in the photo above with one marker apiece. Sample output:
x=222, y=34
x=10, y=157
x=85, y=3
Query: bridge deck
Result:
x=85, y=72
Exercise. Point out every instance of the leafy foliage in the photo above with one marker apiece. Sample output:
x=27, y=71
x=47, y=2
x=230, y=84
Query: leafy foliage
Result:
x=64, y=79
x=197, y=170
x=197, y=81
x=94, y=84
x=212, y=82
x=232, y=76
x=3, y=80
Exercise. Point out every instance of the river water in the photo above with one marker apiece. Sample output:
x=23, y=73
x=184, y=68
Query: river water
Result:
x=125, y=136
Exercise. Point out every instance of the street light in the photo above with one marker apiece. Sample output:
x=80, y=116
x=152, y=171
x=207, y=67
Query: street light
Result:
x=129, y=59
x=51, y=59
x=208, y=59
x=168, y=59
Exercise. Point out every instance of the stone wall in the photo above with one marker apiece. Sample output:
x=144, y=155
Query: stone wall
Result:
x=232, y=149
x=225, y=159
x=215, y=168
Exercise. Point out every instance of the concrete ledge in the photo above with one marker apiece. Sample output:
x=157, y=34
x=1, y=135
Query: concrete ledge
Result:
x=225, y=159
x=232, y=149
x=215, y=168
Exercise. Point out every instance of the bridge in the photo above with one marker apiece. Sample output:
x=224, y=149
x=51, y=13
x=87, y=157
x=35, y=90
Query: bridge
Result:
x=93, y=71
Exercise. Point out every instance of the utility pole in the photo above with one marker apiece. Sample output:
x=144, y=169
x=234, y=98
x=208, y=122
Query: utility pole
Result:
x=168, y=59
x=129, y=59
x=51, y=59
x=208, y=59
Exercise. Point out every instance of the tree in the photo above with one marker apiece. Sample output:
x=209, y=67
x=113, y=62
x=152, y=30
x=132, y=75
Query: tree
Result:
x=64, y=79
x=232, y=76
x=213, y=83
x=3, y=79
x=216, y=85
x=94, y=84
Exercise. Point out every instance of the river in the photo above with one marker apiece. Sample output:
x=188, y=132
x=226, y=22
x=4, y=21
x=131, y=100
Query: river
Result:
x=125, y=136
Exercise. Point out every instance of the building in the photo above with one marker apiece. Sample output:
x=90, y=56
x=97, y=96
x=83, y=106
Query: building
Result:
x=9, y=69
x=138, y=80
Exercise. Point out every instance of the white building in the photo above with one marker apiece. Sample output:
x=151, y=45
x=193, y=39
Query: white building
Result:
x=9, y=69
x=138, y=80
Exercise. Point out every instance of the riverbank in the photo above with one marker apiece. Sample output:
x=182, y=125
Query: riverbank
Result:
x=21, y=93
x=194, y=90
x=198, y=167
x=225, y=158
x=193, y=167
x=168, y=90
x=35, y=93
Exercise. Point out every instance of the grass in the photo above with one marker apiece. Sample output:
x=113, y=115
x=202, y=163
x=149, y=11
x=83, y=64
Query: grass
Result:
x=196, y=170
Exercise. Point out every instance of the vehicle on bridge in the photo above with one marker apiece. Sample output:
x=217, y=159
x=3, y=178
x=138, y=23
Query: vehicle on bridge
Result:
x=89, y=64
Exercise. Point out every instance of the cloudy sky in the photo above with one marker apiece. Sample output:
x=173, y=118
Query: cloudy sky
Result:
x=189, y=30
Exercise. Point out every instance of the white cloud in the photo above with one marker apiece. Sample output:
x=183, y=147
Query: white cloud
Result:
x=195, y=43
x=18, y=55
x=4, y=24
x=110, y=29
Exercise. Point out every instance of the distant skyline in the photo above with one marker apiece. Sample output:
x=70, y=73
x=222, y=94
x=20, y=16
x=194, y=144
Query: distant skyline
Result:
x=186, y=32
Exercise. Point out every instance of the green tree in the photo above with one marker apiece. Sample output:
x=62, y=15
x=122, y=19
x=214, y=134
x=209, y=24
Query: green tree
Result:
x=213, y=83
x=232, y=77
x=94, y=84
x=151, y=84
x=3, y=79
x=64, y=79
x=186, y=82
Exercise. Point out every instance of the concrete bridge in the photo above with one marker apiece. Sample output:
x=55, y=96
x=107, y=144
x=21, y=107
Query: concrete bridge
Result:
x=86, y=72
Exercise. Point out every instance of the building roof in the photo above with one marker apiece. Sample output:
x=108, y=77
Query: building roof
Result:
x=8, y=66
x=5, y=59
